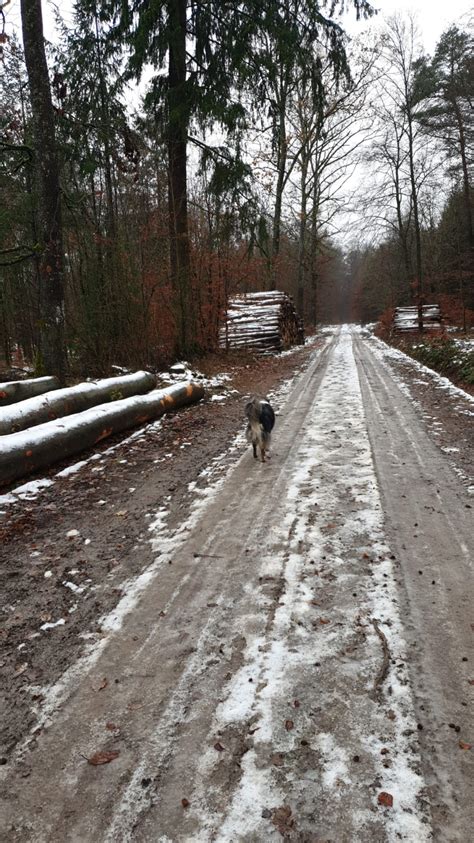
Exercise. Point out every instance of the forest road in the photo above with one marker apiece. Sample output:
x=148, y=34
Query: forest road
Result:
x=297, y=666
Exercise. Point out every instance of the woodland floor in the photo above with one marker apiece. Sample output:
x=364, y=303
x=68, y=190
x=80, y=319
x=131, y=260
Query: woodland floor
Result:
x=91, y=683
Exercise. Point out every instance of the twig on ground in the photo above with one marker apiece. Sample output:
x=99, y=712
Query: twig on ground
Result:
x=381, y=675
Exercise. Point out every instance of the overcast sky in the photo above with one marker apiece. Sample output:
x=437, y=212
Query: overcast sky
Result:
x=434, y=16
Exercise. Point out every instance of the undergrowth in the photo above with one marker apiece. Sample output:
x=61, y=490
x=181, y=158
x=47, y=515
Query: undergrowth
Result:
x=450, y=357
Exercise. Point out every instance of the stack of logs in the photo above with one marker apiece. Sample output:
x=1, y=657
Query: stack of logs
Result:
x=405, y=319
x=264, y=321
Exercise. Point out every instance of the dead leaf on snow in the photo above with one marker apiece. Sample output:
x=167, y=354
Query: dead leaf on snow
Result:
x=385, y=798
x=289, y=725
x=219, y=746
x=324, y=620
x=104, y=757
x=111, y=727
x=464, y=745
x=281, y=818
x=296, y=703
x=185, y=803
x=103, y=684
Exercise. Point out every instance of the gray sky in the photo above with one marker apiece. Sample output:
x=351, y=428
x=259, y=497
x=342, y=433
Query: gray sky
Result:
x=434, y=16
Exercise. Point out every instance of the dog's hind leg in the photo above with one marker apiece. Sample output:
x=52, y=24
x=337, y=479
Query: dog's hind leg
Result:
x=254, y=450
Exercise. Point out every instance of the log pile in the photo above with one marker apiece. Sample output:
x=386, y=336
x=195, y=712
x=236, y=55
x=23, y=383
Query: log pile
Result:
x=72, y=399
x=266, y=321
x=41, y=446
x=405, y=319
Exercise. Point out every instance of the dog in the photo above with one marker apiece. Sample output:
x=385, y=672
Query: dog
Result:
x=261, y=420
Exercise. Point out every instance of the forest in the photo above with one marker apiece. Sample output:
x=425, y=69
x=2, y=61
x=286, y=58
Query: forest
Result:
x=157, y=159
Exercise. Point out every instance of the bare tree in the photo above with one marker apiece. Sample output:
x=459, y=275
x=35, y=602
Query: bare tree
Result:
x=401, y=53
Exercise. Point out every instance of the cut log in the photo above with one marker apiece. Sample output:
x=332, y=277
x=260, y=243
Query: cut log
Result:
x=73, y=399
x=267, y=322
x=13, y=391
x=29, y=450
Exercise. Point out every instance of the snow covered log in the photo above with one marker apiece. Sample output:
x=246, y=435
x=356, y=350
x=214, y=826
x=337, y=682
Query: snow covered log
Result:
x=13, y=391
x=73, y=399
x=41, y=446
x=266, y=321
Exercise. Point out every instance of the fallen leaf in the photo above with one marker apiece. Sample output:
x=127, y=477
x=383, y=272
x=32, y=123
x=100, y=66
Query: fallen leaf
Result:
x=464, y=745
x=103, y=684
x=111, y=727
x=471, y=681
x=289, y=725
x=219, y=747
x=385, y=798
x=324, y=620
x=296, y=703
x=281, y=819
x=185, y=803
x=104, y=757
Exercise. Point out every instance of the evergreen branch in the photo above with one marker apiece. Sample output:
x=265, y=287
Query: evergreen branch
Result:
x=6, y=261
x=16, y=147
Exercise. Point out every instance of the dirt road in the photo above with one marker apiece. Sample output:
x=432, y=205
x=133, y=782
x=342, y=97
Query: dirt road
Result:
x=295, y=663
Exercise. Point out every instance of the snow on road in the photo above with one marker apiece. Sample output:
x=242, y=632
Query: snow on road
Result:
x=332, y=467
x=262, y=687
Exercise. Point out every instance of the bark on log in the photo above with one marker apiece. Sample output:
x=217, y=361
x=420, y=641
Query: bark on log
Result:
x=73, y=399
x=13, y=391
x=29, y=450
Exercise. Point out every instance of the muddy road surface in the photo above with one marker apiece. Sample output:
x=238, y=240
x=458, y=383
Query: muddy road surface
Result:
x=296, y=660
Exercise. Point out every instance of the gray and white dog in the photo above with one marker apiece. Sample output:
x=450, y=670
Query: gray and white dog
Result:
x=261, y=420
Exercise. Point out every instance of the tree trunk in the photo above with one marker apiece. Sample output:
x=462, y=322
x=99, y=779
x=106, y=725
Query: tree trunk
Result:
x=280, y=184
x=314, y=242
x=42, y=446
x=416, y=218
x=53, y=350
x=178, y=121
x=302, y=235
x=73, y=399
